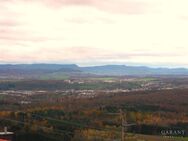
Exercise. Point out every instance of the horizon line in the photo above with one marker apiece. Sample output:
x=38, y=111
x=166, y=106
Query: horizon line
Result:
x=104, y=64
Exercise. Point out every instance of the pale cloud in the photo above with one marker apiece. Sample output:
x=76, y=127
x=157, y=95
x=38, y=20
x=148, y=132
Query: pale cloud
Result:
x=87, y=31
x=118, y=6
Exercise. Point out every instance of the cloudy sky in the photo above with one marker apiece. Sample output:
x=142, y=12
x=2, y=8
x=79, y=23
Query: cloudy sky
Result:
x=95, y=32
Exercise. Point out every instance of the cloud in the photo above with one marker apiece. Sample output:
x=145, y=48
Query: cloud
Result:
x=8, y=23
x=114, y=6
x=94, y=30
x=78, y=54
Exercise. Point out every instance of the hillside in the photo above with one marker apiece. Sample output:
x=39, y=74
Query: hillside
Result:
x=133, y=70
x=61, y=71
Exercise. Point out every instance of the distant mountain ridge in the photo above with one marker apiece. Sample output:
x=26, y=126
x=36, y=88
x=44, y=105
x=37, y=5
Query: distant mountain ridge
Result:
x=134, y=70
x=37, y=70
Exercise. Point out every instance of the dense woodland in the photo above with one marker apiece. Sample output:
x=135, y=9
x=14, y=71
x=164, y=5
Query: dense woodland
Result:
x=71, y=118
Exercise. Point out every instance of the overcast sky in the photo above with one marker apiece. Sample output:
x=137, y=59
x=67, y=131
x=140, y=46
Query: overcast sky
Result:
x=94, y=32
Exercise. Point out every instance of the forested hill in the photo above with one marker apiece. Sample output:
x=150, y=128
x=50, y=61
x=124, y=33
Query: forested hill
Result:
x=50, y=70
x=133, y=70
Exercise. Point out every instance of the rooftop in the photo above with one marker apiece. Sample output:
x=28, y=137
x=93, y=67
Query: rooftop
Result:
x=6, y=133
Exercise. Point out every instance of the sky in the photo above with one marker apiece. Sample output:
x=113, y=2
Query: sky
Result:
x=94, y=32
